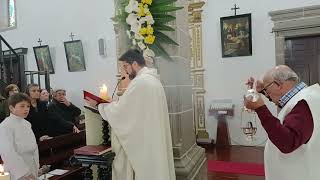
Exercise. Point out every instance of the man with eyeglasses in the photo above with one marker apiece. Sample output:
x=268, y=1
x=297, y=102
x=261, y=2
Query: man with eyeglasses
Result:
x=292, y=150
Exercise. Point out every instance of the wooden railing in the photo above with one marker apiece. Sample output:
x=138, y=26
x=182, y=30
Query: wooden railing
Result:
x=38, y=75
x=60, y=148
x=12, y=65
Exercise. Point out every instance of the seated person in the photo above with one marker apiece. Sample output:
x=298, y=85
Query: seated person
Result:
x=63, y=108
x=4, y=108
x=19, y=150
x=44, y=96
x=45, y=124
x=38, y=116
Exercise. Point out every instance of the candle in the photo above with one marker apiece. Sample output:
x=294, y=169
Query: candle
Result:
x=104, y=92
x=4, y=175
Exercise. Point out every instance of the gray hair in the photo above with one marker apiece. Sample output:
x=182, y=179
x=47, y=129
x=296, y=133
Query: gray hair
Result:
x=285, y=75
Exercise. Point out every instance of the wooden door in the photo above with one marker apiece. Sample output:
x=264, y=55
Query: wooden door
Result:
x=303, y=56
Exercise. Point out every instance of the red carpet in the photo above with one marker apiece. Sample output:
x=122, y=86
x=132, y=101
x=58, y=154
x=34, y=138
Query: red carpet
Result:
x=236, y=167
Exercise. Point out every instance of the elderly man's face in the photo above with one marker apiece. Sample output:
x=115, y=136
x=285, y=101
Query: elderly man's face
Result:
x=271, y=89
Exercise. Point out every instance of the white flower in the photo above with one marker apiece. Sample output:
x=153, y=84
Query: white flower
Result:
x=132, y=18
x=135, y=27
x=137, y=9
x=149, y=19
x=142, y=20
x=148, y=53
x=138, y=36
x=141, y=45
x=133, y=5
x=134, y=42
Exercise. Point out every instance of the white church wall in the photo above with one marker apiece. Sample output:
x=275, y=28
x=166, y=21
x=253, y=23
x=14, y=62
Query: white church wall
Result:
x=225, y=77
x=53, y=21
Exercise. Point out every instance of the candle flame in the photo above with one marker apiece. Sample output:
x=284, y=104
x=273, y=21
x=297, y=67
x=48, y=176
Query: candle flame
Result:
x=104, y=88
x=1, y=168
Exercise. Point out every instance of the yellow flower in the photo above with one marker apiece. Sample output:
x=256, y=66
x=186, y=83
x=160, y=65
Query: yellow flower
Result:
x=149, y=29
x=149, y=2
x=149, y=39
x=143, y=31
x=141, y=10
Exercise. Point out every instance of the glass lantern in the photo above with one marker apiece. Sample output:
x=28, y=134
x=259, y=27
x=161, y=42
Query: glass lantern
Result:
x=248, y=124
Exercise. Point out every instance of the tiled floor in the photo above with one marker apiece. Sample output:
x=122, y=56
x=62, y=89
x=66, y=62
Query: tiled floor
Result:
x=237, y=154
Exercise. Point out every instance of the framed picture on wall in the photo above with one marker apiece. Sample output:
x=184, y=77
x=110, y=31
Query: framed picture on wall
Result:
x=43, y=58
x=236, y=37
x=75, y=56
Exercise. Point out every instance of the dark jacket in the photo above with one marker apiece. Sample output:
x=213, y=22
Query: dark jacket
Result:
x=68, y=113
x=38, y=117
x=4, y=109
x=45, y=123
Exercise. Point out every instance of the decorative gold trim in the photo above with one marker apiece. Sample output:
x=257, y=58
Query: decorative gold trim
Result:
x=202, y=134
x=197, y=5
x=197, y=70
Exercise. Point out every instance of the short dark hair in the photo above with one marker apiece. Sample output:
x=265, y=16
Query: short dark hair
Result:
x=9, y=88
x=29, y=86
x=133, y=55
x=18, y=97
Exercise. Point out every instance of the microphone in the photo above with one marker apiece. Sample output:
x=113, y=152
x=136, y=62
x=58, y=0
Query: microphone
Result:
x=117, y=86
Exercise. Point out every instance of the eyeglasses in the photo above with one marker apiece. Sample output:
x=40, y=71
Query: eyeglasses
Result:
x=264, y=90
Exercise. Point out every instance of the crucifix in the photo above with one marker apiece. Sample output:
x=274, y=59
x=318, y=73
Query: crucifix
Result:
x=235, y=9
x=39, y=41
x=71, y=36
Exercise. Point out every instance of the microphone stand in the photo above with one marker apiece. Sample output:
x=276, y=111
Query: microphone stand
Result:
x=117, y=86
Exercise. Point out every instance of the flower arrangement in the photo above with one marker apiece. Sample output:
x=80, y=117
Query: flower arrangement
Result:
x=145, y=20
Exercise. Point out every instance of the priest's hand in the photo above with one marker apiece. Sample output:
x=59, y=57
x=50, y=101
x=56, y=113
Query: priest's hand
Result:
x=253, y=105
x=91, y=102
x=75, y=129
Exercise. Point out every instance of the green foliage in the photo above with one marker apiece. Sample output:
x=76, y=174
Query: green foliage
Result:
x=163, y=27
x=161, y=2
x=163, y=18
x=162, y=38
x=158, y=49
x=164, y=8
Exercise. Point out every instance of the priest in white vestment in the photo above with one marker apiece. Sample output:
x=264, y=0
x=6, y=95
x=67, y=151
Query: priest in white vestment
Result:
x=140, y=128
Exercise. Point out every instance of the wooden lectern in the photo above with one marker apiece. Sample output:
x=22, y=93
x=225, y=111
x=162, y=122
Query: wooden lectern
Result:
x=220, y=109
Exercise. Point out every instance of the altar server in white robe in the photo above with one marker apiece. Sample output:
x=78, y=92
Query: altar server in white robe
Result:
x=18, y=147
x=141, y=136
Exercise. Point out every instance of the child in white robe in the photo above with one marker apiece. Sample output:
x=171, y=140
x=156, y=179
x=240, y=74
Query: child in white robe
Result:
x=18, y=147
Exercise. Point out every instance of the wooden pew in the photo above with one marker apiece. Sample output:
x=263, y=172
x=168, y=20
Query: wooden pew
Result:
x=60, y=148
